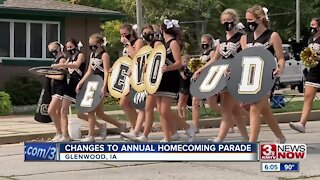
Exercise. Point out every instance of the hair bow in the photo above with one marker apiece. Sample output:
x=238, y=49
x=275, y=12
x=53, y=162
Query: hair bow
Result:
x=171, y=24
x=61, y=47
x=240, y=26
x=79, y=45
x=105, y=41
x=265, y=10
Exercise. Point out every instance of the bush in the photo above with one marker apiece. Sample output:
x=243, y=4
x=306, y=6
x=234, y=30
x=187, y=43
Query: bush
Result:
x=23, y=90
x=5, y=104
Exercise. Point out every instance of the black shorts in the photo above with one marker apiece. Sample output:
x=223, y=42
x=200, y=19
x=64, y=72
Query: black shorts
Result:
x=58, y=88
x=70, y=93
x=313, y=77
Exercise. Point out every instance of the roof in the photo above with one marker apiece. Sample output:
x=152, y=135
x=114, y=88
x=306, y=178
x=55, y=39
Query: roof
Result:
x=56, y=8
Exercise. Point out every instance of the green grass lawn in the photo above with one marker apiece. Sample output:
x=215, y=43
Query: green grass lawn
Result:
x=204, y=113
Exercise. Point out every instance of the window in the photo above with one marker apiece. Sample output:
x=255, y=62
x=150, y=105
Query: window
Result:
x=35, y=40
x=20, y=40
x=5, y=39
x=27, y=39
x=52, y=35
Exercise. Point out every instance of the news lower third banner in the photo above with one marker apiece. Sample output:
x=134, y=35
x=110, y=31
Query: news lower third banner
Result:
x=141, y=152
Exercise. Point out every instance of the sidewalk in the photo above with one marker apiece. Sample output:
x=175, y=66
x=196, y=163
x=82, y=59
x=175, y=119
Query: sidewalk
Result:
x=15, y=129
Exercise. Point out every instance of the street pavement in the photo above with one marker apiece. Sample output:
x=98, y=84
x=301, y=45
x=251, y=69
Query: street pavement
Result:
x=12, y=165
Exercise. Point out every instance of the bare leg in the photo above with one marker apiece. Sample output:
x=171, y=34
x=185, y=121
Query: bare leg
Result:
x=54, y=112
x=309, y=95
x=126, y=106
x=64, y=116
x=150, y=104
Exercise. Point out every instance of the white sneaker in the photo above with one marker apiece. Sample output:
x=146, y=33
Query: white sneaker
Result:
x=175, y=137
x=215, y=140
x=103, y=131
x=141, y=138
x=281, y=141
x=163, y=141
x=130, y=135
x=297, y=126
x=88, y=139
x=57, y=137
x=123, y=128
x=64, y=139
x=191, y=133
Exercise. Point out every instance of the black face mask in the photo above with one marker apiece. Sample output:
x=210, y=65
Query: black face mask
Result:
x=72, y=51
x=313, y=30
x=228, y=26
x=128, y=36
x=252, y=26
x=93, y=47
x=205, y=46
x=54, y=53
x=148, y=37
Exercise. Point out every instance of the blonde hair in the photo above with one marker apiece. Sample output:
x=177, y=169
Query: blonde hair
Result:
x=233, y=13
x=98, y=37
x=257, y=12
x=56, y=44
x=209, y=37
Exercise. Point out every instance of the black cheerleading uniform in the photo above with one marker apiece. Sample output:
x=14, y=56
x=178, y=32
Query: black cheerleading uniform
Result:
x=313, y=77
x=75, y=77
x=230, y=47
x=125, y=51
x=205, y=57
x=185, y=83
x=261, y=41
x=58, y=86
x=96, y=63
x=169, y=85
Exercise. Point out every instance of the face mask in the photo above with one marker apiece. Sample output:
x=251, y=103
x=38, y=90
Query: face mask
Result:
x=313, y=30
x=148, y=37
x=128, y=36
x=228, y=26
x=93, y=47
x=72, y=51
x=54, y=53
x=205, y=46
x=252, y=26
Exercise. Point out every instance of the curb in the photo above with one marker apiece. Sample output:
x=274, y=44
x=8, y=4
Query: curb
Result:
x=204, y=123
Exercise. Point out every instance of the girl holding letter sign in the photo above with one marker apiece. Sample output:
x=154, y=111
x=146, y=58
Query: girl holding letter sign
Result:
x=261, y=35
x=99, y=65
x=228, y=47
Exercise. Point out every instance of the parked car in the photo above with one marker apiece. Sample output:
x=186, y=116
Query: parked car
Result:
x=294, y=72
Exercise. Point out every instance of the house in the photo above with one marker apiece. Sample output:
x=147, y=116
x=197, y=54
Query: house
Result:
x=28, y=26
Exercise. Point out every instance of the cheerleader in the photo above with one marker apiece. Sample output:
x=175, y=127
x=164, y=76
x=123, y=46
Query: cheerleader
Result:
x=207, y=45
x=59, y=84
x=149, y=39
x=184, y=91
x=131, y=44
x=169, y=87
x=99, y=63
x=151, y=99
x=76, y=67
x=261, y=35
x=228, y=47
x=313, y=78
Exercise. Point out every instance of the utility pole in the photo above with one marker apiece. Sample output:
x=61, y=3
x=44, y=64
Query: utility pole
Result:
x=139, y=16
x=298, y=21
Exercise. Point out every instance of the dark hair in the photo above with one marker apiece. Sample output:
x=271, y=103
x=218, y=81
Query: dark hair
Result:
x=73, y=41
x=174, y=31
x=130, y=29
x=316, y=19
x=147, y=26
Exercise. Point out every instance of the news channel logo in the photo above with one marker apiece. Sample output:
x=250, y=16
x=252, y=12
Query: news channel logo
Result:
x=270, y=152
x=35, y=151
